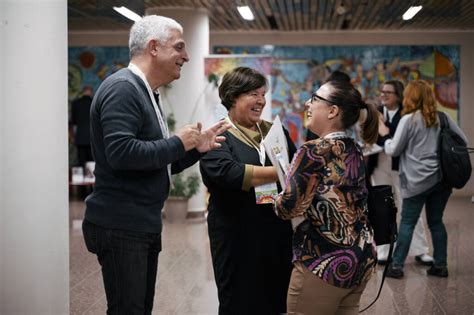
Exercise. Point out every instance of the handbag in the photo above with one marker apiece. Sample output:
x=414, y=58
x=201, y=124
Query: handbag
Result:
x=382, y=214
x=383, y=219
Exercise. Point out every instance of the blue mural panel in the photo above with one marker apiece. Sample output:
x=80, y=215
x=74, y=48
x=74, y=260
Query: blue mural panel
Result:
x=91, y=65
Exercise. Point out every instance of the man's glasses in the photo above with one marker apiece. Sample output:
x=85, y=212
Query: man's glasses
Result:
x=386, y=92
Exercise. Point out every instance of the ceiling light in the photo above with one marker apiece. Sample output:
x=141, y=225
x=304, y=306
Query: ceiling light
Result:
x=246, y=13
x=128, y=13
x=411, y=12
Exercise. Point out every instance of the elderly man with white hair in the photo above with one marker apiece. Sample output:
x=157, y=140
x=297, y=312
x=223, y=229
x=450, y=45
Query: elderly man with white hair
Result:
x=135, y=157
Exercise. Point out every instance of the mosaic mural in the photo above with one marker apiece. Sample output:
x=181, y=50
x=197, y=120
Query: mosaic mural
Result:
x=298, y=71
x=91, y=65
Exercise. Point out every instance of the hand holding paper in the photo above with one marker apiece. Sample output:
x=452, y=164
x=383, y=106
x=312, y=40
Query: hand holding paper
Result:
x=277, y=150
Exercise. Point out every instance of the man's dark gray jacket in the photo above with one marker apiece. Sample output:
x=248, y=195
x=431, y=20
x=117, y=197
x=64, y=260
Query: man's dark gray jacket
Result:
x=131, y=157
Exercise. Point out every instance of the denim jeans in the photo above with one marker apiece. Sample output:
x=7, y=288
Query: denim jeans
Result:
x=129, y=262
x=435, y=200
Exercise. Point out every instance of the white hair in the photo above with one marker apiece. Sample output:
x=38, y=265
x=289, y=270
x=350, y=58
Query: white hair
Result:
x=148, y=28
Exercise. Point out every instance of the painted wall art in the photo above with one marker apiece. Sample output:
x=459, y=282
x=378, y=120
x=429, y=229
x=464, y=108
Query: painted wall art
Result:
x=298, y=71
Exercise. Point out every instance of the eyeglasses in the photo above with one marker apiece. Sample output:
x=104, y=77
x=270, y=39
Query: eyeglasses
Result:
x=387, y=92
x=315, y=97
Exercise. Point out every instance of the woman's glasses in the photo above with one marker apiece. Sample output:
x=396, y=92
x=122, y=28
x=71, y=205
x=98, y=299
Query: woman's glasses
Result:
x=315, y=97
x=382, y=92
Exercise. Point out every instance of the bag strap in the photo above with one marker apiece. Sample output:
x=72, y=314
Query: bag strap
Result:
x=385, y=269
x=460, y=149
x=443, y=120
x=443, y=123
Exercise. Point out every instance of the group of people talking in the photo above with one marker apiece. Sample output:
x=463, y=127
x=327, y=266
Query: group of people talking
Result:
x=262, y=264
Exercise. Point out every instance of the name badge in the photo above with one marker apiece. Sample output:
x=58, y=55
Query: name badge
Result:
x=266, y=193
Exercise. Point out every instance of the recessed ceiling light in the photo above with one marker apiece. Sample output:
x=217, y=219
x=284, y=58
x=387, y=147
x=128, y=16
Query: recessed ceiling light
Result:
x=246, y=13
x=411, y=12
x=128, y=13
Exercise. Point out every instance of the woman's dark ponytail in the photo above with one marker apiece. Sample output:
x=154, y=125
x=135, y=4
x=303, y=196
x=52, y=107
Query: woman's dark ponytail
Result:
x=349, y=100
x=370, y=127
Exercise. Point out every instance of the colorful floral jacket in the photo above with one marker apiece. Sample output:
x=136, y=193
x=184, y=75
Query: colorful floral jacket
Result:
x=326, y=184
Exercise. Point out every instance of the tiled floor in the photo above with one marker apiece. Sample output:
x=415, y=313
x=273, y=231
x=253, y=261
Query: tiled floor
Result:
x=185, y=283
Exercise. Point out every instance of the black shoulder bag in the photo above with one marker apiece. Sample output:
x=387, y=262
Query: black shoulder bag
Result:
x=383, y=219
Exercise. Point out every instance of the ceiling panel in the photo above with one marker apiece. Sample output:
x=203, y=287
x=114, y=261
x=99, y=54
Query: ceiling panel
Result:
x=287, y=15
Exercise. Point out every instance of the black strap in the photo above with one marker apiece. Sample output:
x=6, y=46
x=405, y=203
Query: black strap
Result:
x=461, y=149
x=443, y=123
x=389, y=261
x=443, y=120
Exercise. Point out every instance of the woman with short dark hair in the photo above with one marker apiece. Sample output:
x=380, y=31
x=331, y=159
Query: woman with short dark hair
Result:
x=250, y=245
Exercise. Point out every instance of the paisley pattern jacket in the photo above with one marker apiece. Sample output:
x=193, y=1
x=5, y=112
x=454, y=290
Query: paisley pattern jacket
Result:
x=326, y=184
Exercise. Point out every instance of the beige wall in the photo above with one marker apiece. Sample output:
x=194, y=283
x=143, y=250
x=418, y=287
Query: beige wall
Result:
x=464, y=39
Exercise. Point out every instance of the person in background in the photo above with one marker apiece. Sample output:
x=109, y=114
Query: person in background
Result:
x=336, y=75
x=135, y=157
x=334, y=254
x=384, y=170
x=416, y=142
x=250, y=246
x=80, y=119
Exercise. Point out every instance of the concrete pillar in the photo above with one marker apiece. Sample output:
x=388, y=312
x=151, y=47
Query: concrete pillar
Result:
x=34, y=238
x=185, y=97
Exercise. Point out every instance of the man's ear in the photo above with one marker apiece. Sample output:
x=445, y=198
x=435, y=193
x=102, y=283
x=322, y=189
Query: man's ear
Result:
x=153, y=46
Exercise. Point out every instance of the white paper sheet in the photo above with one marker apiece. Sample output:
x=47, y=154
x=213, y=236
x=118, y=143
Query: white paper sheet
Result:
x=277, y=150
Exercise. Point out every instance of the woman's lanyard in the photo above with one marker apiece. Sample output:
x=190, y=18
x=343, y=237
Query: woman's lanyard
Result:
x=260, y=149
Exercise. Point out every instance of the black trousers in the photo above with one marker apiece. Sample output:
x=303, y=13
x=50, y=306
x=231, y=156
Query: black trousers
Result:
x=129, y=263
x=252, y=264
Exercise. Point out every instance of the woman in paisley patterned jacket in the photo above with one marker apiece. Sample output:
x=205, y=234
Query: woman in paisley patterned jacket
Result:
x=333, y=250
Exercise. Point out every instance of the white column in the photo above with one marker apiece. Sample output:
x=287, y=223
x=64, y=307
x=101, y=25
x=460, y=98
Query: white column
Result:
x=186, y=95
x=34, y=238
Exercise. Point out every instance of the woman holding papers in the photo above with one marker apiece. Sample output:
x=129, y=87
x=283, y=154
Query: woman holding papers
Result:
x=250, y=245
x=333, y=250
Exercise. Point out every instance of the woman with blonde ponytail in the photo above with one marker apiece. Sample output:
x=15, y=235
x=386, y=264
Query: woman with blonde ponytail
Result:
x=333, y=250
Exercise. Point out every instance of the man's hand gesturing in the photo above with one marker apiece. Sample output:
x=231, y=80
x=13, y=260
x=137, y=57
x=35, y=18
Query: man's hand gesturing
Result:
x=189, y=136
x=209, y=139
